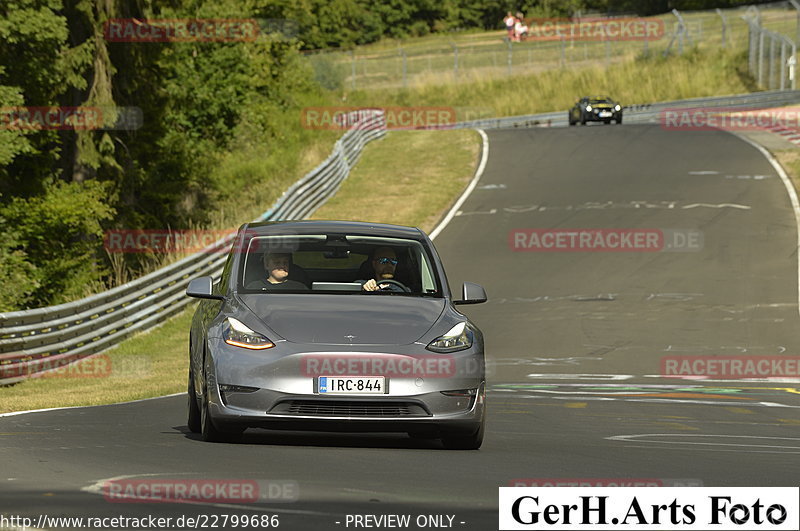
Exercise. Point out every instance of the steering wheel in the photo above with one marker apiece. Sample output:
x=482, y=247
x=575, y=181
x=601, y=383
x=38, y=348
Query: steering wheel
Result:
x=392, y=282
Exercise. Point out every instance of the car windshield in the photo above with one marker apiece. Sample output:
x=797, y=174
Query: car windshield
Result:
x=336, y=264
x=595, y=101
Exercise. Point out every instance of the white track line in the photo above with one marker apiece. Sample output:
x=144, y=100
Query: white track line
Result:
x=792, y=197
x=481, y=166
x=14, y=413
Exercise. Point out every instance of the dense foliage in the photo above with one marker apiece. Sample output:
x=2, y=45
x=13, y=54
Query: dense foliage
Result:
x=61, y=188
x=217, y=117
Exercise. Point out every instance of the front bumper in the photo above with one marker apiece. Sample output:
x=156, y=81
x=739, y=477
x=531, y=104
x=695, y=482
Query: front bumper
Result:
x=277, y=389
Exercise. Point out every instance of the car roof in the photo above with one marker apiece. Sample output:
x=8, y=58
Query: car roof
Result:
x=264, y=228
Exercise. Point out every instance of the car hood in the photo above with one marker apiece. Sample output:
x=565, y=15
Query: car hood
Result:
x=346, y=319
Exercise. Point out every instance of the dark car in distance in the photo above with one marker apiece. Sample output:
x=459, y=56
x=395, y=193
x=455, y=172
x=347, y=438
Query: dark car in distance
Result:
x=595, y=109
x=321, y=351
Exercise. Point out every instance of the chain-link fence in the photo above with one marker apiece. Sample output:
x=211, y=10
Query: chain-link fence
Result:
x=771, y=56
x=552, y=44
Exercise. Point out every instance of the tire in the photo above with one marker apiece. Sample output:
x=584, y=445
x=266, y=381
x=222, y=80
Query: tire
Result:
x=194, y=410
x=583, y=119
x=209, y=430
x=619, y=120
x=470, y=441
x=569, y=119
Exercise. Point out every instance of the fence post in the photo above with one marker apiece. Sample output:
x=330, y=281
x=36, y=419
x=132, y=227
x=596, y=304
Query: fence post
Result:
x=405, y=68
x=455, y=60
x=761, y=57
x=783, y=64
x=796, y=5
x=510, y=55
x=724, y=27
x=353, y=69
x=770, y=82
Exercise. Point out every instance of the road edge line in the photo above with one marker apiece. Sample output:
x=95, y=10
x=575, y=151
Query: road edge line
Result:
x=15, y=413
x=792, y=198
x=478, y=173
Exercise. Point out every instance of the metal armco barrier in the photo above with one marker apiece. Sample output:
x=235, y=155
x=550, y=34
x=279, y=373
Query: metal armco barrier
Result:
x=34, y=341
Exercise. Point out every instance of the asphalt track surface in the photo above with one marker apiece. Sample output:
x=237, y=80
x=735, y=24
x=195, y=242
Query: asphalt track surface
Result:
x=575, y=342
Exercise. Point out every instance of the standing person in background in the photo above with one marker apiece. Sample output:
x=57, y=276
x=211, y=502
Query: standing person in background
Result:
x=520, y=28
x=510, y=22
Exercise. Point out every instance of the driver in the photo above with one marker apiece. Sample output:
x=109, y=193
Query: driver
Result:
x=384, y=263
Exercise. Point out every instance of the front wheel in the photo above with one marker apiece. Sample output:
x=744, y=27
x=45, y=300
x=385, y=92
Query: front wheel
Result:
x=470, y=441
x=194, y=421
x=619, y=120
x=210, y=431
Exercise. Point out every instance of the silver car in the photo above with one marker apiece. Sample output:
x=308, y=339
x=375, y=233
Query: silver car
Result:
x=335, y=326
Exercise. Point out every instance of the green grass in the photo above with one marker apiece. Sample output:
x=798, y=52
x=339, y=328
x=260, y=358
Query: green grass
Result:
x=636, y=80
x=415, y=189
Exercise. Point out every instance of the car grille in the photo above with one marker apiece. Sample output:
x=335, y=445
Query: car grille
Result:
x=349, y=408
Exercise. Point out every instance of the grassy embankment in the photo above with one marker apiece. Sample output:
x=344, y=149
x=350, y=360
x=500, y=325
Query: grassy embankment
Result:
x=388, y=185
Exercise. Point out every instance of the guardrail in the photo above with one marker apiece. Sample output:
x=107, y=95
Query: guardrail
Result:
x=42, y=339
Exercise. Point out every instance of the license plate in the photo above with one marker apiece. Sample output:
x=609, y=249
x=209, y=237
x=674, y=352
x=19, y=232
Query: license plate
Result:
x=605, y=114
x=352, y=385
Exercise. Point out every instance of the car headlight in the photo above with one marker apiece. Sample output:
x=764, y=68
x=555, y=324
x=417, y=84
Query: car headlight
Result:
x=617, y=107
x=458, y=338
x=239, y=334
x=588, y=108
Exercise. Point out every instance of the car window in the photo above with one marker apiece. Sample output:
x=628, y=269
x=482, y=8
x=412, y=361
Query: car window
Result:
x=336, y=264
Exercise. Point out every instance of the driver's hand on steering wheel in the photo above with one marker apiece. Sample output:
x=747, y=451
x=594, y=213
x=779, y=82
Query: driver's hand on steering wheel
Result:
x=371, y=285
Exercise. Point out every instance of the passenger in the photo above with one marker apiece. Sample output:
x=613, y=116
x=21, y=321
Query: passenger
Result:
x=277, y=267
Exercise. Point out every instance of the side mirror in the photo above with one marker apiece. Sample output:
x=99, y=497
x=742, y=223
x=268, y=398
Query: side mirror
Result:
x=472, y=294
x=201, y=288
